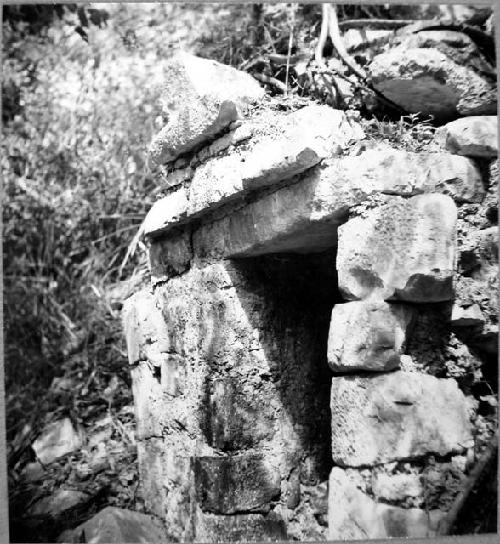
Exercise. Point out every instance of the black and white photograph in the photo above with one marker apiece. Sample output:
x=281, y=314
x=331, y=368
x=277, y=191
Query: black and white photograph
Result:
x=250, y=272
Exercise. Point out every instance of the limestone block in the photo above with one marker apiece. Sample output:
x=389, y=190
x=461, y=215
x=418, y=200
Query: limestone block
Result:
x=302, y=217
x=308, y=136
x=475, y=136
x=57, y=439
x=304, y=138
x=239, y=528
x=396, y=487
x=395, y=171
x=166, y=486
x=427, y=81
x=200, y=99
x=354, y=515
x=368, y=335
x=115, y=525
x=467, y=317
x=239, y=483
x=345, y=180
x=169, y=257
x=404, y=250
x=166, y=212
x=400, y=415
x=145, y=330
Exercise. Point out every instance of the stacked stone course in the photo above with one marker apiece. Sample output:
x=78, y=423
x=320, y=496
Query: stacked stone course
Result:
x=281, y=390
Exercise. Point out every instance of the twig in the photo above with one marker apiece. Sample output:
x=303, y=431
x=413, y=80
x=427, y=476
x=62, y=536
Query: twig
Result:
x=338, y=44
x=378, y=23
x=323, y=36
x=290, y=41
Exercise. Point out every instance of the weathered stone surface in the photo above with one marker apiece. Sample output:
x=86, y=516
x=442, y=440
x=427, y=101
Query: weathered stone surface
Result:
x=234, y=421
x=299, y=218
x=344, y=181
x=404, y=250
x=248, y=339
x=427, y=81
x=453, y=44
x=475, y=136
x=467, y=317
x=59, y=503
x=354, y=515
x=57, y=439
x=200, y=99
x=115, y=525
x=368, y=335
x=236, y=484
x=396, y=487
x=148, y=405
x=170, y=256
x=308, y=136
x=400, y=415
x=145, y=330
x=240, y=528
x=394, y=171
x=166, y=212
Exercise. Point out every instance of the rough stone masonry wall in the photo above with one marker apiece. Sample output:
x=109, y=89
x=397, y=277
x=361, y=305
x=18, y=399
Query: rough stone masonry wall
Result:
x=307, y=363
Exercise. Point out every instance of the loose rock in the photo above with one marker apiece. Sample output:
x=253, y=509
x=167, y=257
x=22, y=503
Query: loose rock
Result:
x=114, y=525
x=55, y=505
x=200, y=99
x=427, y=81
x=58, y=439
x=472, y=136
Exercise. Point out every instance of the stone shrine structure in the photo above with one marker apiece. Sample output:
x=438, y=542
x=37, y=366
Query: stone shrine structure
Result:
x=289, y=360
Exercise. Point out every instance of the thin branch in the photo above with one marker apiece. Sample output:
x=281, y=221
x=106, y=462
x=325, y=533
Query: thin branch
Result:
x=271, y=81
x=385, y=24
x=338, y=44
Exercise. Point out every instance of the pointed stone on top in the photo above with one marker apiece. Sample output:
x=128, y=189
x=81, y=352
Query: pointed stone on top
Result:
x=200, y=98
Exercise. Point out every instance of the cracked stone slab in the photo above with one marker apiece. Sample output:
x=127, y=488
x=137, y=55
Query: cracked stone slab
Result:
x=381, y=418
x=368, y=335
x=475, y=136
x=381, y=169
x=404, y=250
x=306, y=137
x=427, y=81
